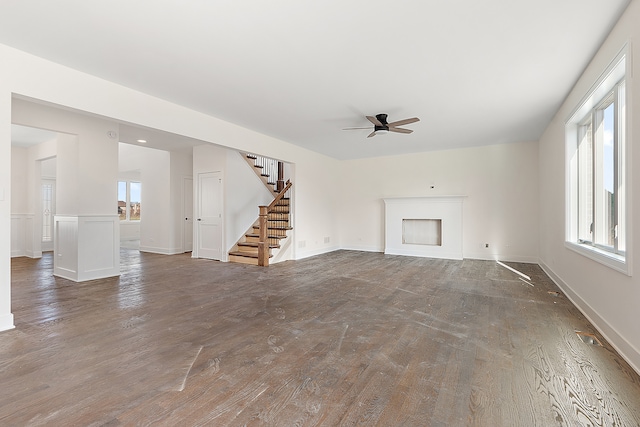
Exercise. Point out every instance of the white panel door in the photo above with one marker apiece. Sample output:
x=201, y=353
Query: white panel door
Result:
x=209, y=218
x=187, y=232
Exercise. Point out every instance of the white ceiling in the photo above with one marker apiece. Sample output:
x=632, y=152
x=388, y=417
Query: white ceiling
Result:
x=24, y=136
x=159, y=140
x=475, y=72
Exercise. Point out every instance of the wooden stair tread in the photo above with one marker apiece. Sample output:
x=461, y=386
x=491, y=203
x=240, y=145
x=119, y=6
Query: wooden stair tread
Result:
x=275, y=229
x=271, y=236
x=255, y=245
x=278, y=216
x=246, y=254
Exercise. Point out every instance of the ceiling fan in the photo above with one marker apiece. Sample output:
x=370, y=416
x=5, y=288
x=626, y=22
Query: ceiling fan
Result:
x=380, y=125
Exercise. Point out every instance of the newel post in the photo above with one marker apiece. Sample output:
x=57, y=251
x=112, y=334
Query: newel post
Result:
x=263, y=244
x=280, y=181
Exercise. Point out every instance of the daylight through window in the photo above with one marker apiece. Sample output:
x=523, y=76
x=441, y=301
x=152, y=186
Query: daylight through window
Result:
x=129, y=200
x=596, y=214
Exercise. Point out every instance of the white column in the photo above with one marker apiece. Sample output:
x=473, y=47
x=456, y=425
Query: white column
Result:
x=86, y=246
x=6, y=317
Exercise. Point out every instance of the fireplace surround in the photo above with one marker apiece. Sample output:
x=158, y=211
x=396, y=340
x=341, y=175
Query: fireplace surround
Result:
x=424, y=226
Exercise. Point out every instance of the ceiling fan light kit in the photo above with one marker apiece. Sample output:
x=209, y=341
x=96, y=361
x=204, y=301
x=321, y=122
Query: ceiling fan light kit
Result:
x=381, y=126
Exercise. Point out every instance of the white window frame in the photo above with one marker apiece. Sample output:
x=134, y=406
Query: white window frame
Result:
x=615, y=73
x=128, y=200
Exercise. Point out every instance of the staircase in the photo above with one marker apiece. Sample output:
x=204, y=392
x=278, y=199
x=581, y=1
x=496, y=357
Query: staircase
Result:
x=269, y=231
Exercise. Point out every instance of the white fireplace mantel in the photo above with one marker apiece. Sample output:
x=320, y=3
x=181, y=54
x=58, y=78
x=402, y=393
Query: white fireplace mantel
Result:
x=447, y=209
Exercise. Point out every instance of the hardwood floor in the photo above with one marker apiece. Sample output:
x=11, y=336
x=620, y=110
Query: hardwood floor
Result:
x=346, y=338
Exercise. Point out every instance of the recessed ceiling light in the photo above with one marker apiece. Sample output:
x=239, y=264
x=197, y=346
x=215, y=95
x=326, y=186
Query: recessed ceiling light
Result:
x=142, y=141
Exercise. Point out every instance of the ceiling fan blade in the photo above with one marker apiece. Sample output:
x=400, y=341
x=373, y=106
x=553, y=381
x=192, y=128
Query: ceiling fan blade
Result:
x=372, y=134
x=404, y=122
x=400, y=130
x=368, y=127
x=374, y=120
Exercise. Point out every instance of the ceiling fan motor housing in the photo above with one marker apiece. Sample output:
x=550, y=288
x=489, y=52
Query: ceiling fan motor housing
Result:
x=381, y=125
x=382, y=118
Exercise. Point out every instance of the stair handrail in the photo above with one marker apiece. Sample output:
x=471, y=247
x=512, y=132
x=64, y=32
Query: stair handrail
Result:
x=280, y=195
x=263, y=239
x=271, y=170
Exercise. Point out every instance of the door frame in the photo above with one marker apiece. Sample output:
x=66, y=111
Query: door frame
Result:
x=185, y=180
x=224, y=253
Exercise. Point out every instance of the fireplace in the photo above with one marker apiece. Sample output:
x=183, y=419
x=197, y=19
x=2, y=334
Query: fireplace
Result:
x=424, y=226
x=422, y=232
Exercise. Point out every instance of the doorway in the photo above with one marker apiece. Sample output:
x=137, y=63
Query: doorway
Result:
x=209, y=216
x=187, y=228
x=48, y=209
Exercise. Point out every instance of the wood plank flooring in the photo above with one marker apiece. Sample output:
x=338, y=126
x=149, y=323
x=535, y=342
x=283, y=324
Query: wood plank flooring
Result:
x=346, y=338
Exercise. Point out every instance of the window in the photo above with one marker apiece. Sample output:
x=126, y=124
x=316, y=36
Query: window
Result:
x=129, y=200
x=596, y=178
x=47, y=212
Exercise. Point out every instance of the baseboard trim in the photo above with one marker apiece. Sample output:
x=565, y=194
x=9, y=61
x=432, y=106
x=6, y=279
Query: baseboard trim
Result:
x=307, y=254
x=33, y=254
x=503, y=258
x=161, y=251
x=6, y=322
x=626, y=350
x=364, y=249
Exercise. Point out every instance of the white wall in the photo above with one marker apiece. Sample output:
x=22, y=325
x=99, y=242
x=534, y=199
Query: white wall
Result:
x=33, y=167
x=317, y=211
x=26, y=175
x=154, y=167
x=608, y=298
x=86, y=157
x=67, y=177
x=161, y=174
x=6, y=317
x=500, y=182
x=181, y=167
x=155, y=226
x=49, y=168
x=19, y=201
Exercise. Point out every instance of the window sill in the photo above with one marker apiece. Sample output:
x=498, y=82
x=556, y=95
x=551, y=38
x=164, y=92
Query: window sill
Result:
x=614, y=261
